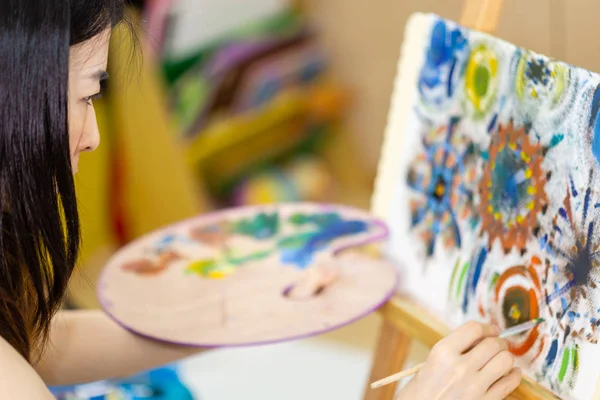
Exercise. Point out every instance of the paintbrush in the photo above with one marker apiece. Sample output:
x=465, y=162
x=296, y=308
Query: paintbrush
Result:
x=515, y=330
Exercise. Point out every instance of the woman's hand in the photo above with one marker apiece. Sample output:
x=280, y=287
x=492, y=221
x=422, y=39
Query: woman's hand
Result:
x=472, y=363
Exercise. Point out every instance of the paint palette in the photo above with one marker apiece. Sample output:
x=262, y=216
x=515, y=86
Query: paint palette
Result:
x=489, y=184
x=224, y=279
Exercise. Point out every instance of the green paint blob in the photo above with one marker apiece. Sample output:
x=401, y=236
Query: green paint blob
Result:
x=257, y=256
x=494, y=280
x=482, y=80
x=320, y=219
x=263, y=226
x=564, y=365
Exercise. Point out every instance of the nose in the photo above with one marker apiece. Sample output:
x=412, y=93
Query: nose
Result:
x=90, y=139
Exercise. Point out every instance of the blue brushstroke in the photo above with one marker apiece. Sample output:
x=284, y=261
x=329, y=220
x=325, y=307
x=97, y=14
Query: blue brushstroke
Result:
x=492, y=124
x=586, y=205
x=475, y=268
x=563, y=213
x=478, y=268
x=573, y=189
x=551, y=356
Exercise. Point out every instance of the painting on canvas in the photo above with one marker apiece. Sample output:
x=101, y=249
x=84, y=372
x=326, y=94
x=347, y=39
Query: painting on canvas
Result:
x=490, y=183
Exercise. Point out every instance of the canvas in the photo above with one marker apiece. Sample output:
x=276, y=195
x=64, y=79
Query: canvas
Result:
x=226, y=278
x=489, y=182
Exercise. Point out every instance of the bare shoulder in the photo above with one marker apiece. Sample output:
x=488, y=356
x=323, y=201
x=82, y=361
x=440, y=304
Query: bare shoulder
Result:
x=18, y=379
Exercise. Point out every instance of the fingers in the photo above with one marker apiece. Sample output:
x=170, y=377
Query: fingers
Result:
x=467, y=335
x=498, y=367
x=505, y=386
x=485, y=351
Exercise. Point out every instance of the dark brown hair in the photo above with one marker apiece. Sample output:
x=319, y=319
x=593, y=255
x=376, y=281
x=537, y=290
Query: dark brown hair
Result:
x=39, y=224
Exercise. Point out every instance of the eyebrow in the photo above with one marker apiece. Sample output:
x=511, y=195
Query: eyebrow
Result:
x=99, y=75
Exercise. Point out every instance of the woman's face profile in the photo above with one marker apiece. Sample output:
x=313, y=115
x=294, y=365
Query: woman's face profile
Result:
x=87, y=68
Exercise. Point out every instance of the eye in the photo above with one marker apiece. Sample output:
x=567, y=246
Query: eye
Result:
x=90, y=99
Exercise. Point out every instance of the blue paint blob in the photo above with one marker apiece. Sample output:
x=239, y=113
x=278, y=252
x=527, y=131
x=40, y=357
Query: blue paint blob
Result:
x=564, y=304
x=300, y=252
x=544, y=242
x=441, y=66
x=438, y=53
x=556, y=139
x=563, y=213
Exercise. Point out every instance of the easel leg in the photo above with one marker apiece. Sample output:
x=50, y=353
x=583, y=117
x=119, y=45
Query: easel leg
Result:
x=391, y=352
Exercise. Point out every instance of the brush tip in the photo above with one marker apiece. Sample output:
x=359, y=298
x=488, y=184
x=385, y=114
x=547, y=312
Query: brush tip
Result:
x=539, y=320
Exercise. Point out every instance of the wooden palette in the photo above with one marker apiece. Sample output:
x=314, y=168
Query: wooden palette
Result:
x=223, y=279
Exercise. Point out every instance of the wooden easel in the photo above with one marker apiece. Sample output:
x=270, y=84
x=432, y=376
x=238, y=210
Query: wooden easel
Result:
x=404, y=320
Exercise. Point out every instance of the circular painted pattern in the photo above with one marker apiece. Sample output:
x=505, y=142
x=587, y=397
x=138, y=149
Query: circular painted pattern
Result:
x=516, y=300
x=573, y=271
x=442, y=180
x=481, y=80
x=512, y=188
x=541, y=85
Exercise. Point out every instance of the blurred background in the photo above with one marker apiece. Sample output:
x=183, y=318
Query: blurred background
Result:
x=234, y=102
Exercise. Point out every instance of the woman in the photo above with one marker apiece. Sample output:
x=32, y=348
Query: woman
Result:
x=53, y=57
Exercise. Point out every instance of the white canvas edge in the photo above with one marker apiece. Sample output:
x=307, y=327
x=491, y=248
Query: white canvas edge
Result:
x=409, y=64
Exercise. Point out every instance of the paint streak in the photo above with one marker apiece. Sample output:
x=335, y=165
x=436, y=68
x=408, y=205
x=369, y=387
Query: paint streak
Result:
x=478, y=268
x=453, y=278
x=564, y=364
x=461, y=280
x=474, y=274
x=594, y=124
x=574, y=365
x=551, y=356
x=241, y=260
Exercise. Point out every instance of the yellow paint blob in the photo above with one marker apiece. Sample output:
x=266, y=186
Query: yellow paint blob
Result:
x=514, y=312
